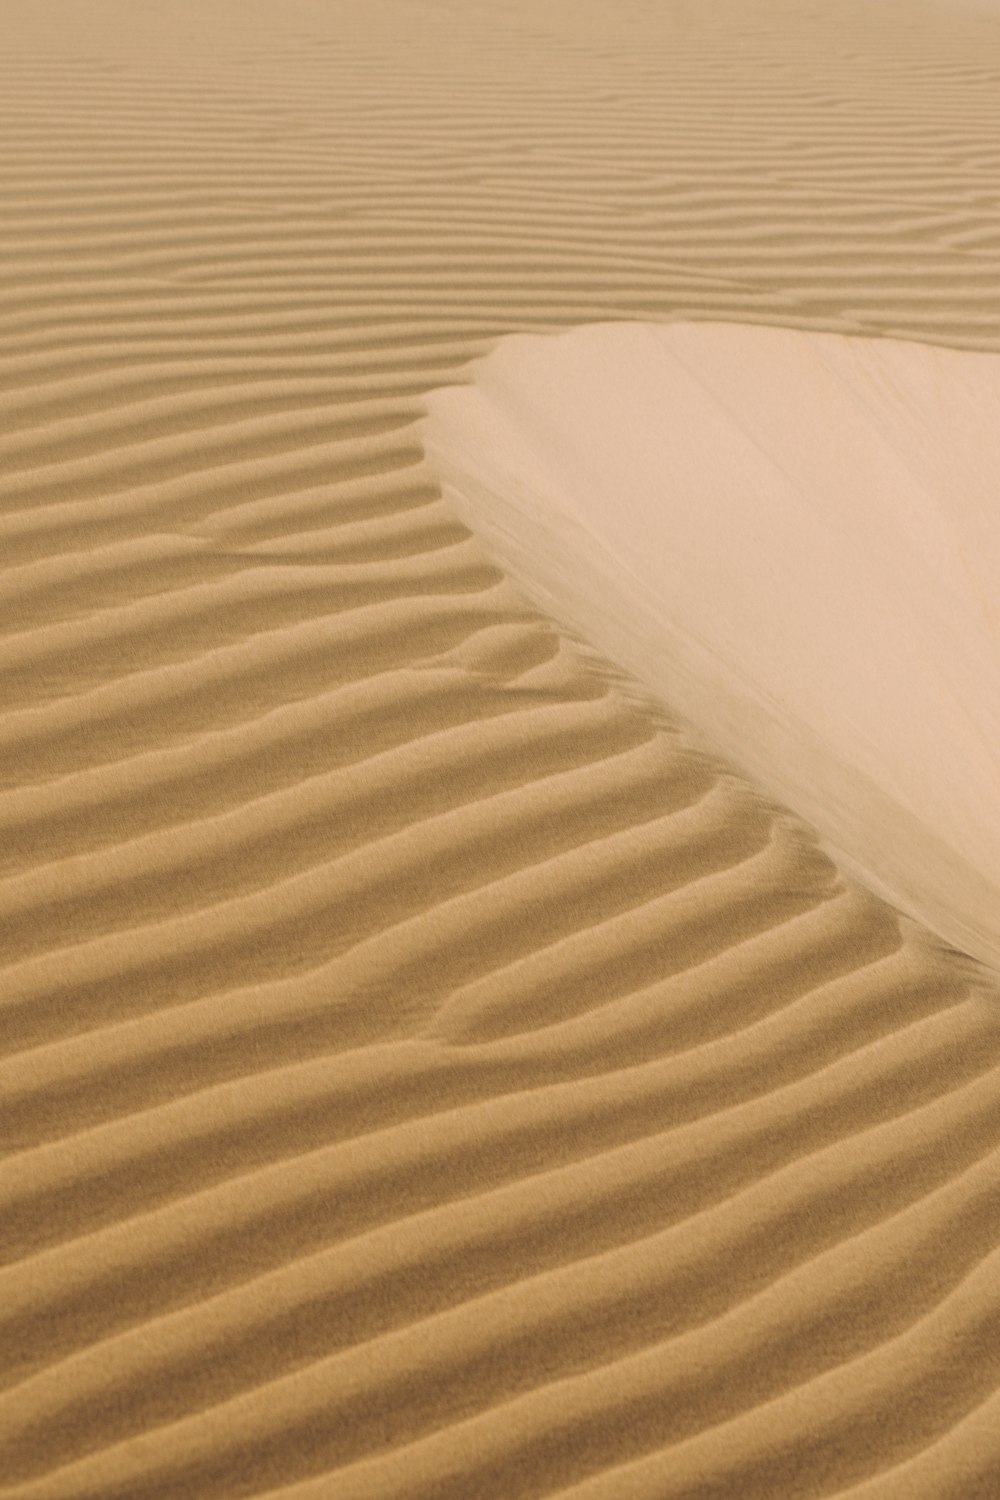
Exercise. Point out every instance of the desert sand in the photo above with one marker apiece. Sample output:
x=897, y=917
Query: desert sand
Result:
x=791, y=536
x=427, y=1073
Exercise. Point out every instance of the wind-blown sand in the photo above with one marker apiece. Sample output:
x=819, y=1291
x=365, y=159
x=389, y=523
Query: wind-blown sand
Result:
x=425, y=1074
x=791, y=536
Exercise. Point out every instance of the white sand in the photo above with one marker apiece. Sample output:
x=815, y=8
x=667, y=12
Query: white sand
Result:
x=795, y=538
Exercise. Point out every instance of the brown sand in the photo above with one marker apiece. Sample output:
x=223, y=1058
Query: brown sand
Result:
x=425, y=1076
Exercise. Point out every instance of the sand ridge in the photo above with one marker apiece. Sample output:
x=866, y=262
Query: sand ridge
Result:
x=424, y=1073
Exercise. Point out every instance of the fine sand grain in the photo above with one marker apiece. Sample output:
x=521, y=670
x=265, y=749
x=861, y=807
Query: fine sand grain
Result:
x=425, y=1076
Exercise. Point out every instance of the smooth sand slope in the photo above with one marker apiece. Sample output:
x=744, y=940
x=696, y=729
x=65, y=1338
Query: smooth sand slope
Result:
x=791, y=536
x=424, y=1075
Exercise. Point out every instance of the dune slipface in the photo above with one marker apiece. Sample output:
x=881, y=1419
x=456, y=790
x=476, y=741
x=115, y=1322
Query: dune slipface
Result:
x=793, y=535
x=425, y=1075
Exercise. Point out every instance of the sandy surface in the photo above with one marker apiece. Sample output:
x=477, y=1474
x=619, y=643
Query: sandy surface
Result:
x=425, y=1075
x=793, y=538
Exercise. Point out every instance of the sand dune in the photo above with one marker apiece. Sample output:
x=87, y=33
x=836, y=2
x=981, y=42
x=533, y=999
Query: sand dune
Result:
x=424, y=1072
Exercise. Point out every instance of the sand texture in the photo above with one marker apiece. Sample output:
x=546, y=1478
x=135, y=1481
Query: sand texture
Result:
x=425, y=1075
x=794, y=538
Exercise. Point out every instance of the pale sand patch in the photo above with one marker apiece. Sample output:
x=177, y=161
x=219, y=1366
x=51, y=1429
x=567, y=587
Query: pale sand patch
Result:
x=791, y=536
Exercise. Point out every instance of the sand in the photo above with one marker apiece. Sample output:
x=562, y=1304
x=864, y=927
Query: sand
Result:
x=426, y=1073
x=794, y=539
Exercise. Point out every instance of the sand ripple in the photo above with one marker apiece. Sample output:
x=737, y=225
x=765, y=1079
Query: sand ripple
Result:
x=423, y=1074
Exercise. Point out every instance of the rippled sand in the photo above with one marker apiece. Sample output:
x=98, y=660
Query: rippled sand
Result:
x=425, y=1074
